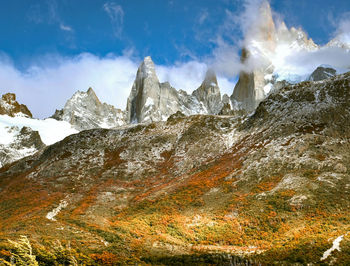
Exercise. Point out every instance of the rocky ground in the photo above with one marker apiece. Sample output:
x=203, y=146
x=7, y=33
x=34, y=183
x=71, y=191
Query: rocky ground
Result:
x=272, y=187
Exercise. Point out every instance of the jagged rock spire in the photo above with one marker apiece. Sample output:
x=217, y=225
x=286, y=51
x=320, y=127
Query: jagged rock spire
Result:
x=209, y=93
x=144, y=96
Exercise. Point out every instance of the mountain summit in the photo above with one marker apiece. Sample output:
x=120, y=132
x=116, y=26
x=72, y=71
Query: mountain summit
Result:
x=85, y=111
x=209, y=93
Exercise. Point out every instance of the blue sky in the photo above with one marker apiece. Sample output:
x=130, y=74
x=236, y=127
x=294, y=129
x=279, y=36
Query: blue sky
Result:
x=44, y=39
x=169, y=31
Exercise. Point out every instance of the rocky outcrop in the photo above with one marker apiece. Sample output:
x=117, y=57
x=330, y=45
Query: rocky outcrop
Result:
x=322, y=72
x=209, y=93
x=9, y=106
x=85, y=111
x=24, y=143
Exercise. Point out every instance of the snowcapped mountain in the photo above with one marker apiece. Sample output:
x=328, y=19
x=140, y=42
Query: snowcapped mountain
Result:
x=85, y=111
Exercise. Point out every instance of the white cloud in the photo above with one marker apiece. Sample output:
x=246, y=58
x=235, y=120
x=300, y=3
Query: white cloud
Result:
x=45, y=87
x=230, y=38
x=305, y=62
x=116, y=15
x=343, y=30
x=65, y=27
x=189, y=76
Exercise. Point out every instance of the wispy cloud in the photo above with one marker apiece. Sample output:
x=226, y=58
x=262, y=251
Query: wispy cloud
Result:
x=203, y=15
x=47, y=12
x=116, y=15
x=65, y=27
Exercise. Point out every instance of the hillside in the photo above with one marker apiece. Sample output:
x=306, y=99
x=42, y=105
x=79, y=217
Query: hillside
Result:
x=270, y=187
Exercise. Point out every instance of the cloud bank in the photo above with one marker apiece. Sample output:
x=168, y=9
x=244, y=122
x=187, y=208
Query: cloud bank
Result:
x=49, y=82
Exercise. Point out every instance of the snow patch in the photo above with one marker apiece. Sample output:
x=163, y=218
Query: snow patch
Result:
x=51, y=215
x=336, y=246
x=149, y=102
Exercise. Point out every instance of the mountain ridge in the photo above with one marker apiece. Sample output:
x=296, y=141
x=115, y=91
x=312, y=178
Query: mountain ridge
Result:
x=154, y=192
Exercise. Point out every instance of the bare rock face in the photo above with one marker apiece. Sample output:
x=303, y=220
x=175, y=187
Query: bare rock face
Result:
x=322, y=72
x=151, y=100
x=85, y=111
x=144, y=96
x=9, y=106
x=244, y=93
x=209, y=93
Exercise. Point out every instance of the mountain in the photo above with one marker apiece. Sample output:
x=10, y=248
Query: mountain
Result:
x=85, y=111
x=151, y=100
x=268, y=188
x=267, y=49
x=9, y=106
x=341, y=41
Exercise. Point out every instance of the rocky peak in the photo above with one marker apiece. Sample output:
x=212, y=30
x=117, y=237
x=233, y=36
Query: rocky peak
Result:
x=143, y=100
x=92, y=95
x=9, y=106
x=85, y=111
x=266, y=25
x=209, y=93
x=29, y=138
x=147, y=69
x=322, y=72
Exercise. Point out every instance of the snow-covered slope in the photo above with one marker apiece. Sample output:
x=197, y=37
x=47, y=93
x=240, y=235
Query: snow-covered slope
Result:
x=50, y=130
x=23, y=136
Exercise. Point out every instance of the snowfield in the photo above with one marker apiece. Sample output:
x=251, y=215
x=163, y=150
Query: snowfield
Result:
x=50, y=130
